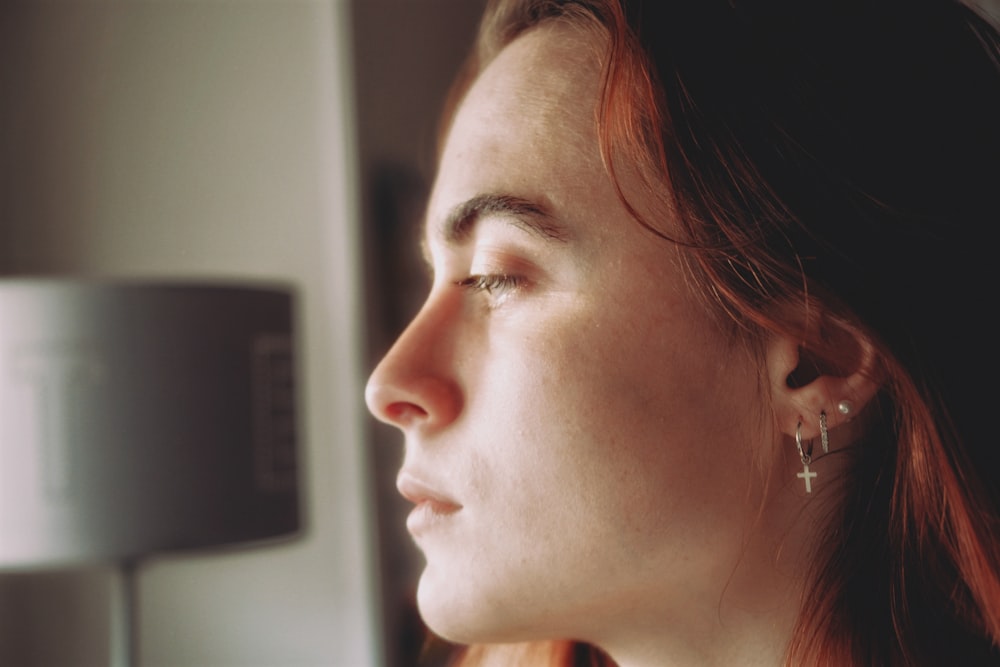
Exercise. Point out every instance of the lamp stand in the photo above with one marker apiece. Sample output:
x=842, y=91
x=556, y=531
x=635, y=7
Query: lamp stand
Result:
x=123, y=644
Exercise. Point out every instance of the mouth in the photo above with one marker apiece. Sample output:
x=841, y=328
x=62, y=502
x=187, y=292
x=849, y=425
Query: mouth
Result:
x=432, y=506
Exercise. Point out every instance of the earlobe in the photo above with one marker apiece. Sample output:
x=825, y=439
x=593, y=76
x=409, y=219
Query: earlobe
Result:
x=838, y=383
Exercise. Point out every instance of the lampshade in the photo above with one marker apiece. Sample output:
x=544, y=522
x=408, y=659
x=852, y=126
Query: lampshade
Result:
x=140, y=418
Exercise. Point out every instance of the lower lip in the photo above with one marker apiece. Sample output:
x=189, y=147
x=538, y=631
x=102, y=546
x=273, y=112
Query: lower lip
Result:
x=428, y=514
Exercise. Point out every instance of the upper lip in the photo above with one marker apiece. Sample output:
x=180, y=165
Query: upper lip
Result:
x=418, y=491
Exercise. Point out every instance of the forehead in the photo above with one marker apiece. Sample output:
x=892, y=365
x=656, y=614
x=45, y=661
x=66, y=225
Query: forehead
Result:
x=527, y=124
x=543, y=67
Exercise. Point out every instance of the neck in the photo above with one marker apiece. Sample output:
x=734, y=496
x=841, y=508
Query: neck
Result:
x=727, y=629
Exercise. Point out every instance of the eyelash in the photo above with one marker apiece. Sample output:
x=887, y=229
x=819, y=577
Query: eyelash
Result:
x=491, y=282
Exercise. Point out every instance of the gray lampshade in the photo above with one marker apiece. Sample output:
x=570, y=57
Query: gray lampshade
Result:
x=141, y=418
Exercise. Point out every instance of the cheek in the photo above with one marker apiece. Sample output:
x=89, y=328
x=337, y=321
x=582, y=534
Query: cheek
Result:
x=587, y=411
x=627, y=419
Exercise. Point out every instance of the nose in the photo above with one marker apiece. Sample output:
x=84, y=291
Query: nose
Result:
x=414, y=386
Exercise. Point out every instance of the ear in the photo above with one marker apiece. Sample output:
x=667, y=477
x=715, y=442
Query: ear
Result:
x=803, y=384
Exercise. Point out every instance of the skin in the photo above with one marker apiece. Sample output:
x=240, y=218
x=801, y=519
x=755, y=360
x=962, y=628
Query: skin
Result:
x=587, y=450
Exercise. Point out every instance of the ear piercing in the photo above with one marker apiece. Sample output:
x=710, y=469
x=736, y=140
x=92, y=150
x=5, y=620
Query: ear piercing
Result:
x=805, y=451
x=824, y=433
x=805, y=455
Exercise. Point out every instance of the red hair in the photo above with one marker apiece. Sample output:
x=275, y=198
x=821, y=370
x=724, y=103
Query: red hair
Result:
x=817, y=186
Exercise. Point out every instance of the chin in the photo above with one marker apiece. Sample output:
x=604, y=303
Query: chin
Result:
x=446, y=610
x=457, y=614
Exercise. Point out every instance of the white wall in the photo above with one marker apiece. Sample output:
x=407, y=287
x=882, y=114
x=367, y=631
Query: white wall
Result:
x=200, y=138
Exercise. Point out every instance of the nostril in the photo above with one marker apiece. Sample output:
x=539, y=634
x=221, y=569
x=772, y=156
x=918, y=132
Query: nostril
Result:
x=403, y=413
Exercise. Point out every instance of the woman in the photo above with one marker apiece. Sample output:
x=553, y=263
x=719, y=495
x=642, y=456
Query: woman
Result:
x=705, y=373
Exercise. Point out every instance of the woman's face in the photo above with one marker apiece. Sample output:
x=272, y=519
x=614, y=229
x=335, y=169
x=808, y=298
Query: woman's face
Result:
x=580, y=436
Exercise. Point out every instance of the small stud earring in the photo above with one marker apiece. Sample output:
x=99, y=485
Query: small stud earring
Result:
x=845, y=408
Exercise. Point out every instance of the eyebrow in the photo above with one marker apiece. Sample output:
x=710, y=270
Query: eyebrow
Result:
x=531, y=216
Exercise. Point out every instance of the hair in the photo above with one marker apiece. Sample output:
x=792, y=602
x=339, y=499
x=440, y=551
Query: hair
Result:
x=830, y=167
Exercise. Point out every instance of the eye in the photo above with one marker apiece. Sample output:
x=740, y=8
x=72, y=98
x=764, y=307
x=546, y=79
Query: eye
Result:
x=494, y=284
x=496, y=287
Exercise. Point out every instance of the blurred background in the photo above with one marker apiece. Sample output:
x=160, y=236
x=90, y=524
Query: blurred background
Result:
x=287, y=140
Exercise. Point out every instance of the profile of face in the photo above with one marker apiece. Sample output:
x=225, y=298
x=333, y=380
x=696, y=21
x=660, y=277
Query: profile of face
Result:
x=584, y=443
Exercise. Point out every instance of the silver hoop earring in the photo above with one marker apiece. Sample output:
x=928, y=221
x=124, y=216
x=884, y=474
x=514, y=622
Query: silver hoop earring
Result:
x=805, y=455
x=824, y=434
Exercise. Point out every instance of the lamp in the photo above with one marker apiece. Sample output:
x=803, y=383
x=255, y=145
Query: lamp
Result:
x=143, y=418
